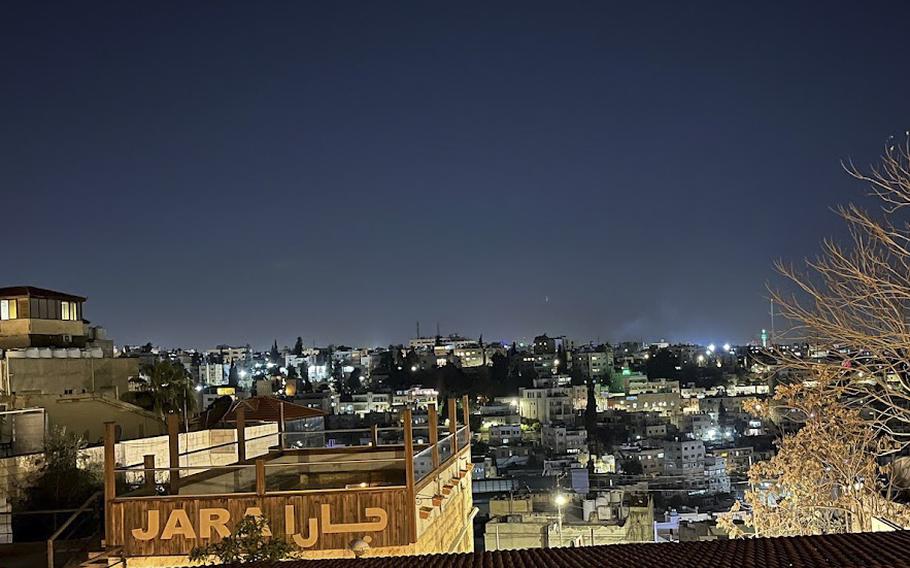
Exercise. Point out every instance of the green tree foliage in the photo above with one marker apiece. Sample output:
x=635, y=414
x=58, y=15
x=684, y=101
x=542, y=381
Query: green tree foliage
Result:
x=62, y=480
x=298, y=346
x=274, y=354
x=662, y=365
x=247, y=543
x=631, y=466
x=171, y=388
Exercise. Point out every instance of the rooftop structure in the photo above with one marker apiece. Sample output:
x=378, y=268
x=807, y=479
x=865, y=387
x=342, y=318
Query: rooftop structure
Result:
x=378, y=486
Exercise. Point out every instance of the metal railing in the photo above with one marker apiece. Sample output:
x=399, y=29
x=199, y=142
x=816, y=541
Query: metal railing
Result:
x=78, y=535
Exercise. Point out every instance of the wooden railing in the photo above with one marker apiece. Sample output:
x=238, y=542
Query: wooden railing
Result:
x=408, y=466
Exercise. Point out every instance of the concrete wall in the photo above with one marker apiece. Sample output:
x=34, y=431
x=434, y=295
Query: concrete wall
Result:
x=56, y=376
x=85, y=414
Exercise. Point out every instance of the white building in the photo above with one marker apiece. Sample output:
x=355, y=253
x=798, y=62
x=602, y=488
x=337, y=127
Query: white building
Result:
x=213, y=374
x=563, y=440
x=546, y=404
x=231, y=355
x=366, y=403
x=686, y=457
x=593, y=364
x=716, y=474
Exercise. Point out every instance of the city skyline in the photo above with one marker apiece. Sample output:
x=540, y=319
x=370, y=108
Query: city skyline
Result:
x=339, y=172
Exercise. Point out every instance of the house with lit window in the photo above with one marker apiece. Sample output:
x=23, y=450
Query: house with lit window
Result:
x=35, y=317
x=51, y=358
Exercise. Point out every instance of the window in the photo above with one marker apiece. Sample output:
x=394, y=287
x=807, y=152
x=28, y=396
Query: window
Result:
x=69, y=311
x=7, y=309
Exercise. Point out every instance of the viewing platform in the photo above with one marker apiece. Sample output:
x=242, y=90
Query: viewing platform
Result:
x=379, y=491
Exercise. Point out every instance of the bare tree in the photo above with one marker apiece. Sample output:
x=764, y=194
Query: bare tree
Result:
x=851, y=304
x=845, y=397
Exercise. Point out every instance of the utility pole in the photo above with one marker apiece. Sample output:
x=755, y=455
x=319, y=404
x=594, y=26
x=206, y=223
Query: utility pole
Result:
x=772, y=322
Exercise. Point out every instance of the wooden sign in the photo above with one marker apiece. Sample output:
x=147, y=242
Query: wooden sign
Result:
x=320, y=521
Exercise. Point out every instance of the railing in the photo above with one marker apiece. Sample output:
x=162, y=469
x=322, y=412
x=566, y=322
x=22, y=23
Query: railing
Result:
x=402, y=462
x=295, y=468
x=77, y=535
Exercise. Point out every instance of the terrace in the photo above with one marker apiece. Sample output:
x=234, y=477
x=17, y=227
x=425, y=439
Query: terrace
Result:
x=388, y=485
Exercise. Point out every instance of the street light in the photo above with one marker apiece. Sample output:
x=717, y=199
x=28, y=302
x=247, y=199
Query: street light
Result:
x=561, y=501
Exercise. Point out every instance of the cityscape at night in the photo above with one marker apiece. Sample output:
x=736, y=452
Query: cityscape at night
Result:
x=394, y=284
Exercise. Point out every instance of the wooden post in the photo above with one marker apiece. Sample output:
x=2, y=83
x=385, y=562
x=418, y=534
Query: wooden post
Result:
x=281, y=425
x=173, y=446
x=260, y=477
x=409, y=470
x=241, y=432
x=148, y=463
x=453, y=424
x=374, y=434
x=110, y=481
x=433, y=421
x=466, y=416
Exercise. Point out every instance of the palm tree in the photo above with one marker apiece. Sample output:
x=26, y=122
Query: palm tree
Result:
x=171, y=388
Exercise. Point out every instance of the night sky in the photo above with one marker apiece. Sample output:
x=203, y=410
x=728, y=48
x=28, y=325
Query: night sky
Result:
x=209, y=172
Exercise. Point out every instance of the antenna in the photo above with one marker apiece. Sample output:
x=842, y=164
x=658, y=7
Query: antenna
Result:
x=772, y=321
x=418, y=329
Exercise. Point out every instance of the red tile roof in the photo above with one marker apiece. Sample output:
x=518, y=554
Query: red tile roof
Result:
x=265, y=409
x=867, y=550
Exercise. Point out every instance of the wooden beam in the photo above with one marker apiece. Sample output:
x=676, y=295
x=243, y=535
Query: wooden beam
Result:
x=453, y=424
x=148, y=464
x=409, y=471
x=110, y=481
x=281, y=425
x=433, y=421
x=260, y=477
x=173, y=446
x=374, y=434
x=241, y=432
x=466, y=414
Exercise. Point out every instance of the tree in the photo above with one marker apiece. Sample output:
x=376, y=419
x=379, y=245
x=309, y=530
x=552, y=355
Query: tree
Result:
x=851, y=302
x=631, y=466
x=850, y=400
x=274, y=354
x=354, y=381
x=826, y=477
x=298, y=347
x=171, y=387
x=662, y=365
x=305, y=375
x=63, y=480
x=248, y=543
x=591, y=424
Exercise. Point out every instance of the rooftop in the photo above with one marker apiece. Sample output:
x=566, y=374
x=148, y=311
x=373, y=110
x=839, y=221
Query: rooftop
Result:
x=34, y=292
x=868, y=550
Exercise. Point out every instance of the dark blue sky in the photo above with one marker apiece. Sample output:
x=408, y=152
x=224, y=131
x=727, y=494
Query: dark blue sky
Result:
x=228, y=172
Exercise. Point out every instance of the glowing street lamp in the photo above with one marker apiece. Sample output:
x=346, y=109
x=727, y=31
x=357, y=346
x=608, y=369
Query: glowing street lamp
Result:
x=561, y=501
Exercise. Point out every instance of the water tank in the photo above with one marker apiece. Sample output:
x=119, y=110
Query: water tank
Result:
x=45, y=352
x=32, y=353
x=60, y=354
x=74, y=353
x=97, y=353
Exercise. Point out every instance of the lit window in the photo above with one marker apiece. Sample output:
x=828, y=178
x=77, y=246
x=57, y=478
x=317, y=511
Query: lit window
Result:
x=8, y=310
